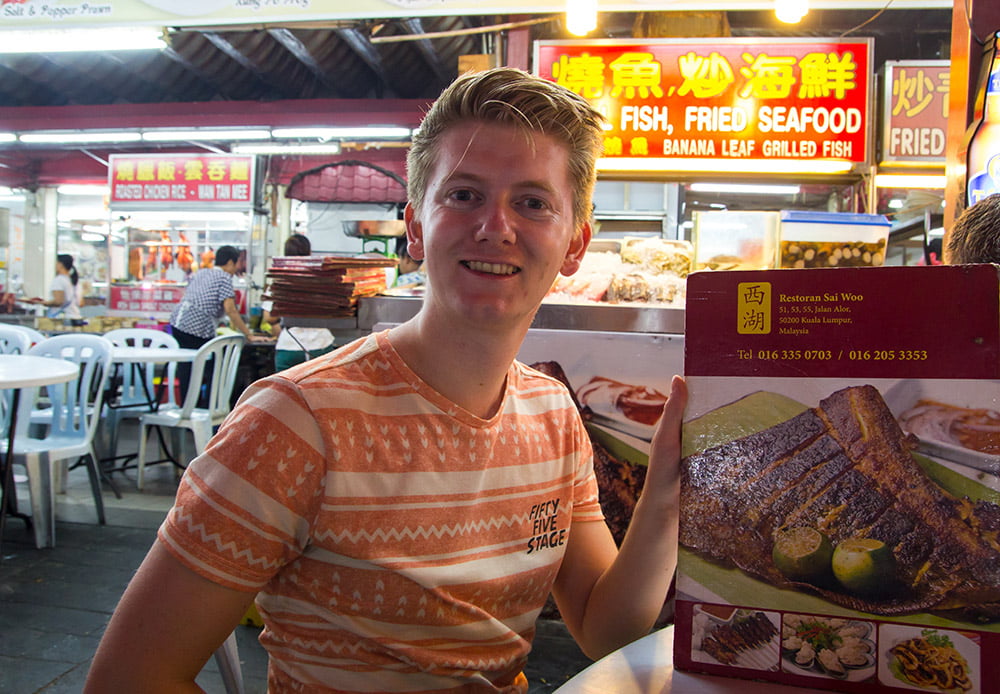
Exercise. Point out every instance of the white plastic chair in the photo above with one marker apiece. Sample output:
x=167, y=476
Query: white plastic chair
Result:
x=222, y=357
x=35, y=336
x=132, y=399
x=13, y=341
x=75, y=413
x=227, y=659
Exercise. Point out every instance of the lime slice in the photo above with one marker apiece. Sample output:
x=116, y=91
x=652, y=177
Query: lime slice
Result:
x=864, y=565
x=802, y=554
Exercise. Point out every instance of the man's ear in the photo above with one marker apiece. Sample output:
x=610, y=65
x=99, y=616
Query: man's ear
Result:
x=577, y=248
x=414, y=233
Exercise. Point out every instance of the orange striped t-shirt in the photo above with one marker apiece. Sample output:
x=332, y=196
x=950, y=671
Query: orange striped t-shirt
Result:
x=399, y=543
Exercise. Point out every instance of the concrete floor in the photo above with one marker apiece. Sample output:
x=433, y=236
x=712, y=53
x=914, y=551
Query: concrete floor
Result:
x=55, y=603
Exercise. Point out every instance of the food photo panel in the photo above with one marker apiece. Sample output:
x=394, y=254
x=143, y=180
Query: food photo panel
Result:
x=843, y=471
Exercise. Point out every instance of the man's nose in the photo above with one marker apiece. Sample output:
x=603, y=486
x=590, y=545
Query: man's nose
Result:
x=498, y=223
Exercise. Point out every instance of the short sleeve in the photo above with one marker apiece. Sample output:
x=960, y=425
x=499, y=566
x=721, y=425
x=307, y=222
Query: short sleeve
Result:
x=247, y=505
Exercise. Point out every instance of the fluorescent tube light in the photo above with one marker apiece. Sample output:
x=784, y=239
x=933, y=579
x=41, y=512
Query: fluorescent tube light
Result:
x=8, y=137
x=70, y=40
x=283, y=148
x=745, y=188
x=910, y=181
x=764, y=166
x=360, y=133
x=205, y=134
x=78, y=137
x=83, y=189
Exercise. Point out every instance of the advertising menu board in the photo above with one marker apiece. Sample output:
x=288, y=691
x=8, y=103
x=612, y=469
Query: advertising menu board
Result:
x=840, y=498
x=166, y=181
x=721, y=98
x=915, y=111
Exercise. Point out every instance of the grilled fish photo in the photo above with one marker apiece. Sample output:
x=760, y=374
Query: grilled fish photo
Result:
x=845, y=469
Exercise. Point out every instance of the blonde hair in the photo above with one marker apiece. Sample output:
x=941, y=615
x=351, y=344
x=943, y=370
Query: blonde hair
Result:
x=508, y=96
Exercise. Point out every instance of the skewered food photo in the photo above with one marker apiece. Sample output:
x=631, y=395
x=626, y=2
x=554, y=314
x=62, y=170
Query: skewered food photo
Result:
x=735, y=637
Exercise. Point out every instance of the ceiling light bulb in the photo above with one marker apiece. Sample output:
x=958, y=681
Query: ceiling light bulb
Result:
x=791, y=11
x=581, y=16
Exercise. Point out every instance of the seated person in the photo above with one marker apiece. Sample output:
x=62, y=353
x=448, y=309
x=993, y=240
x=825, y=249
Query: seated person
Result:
x=410, y=270
x=296, y=344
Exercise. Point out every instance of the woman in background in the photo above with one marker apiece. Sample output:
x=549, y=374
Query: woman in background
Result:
x=64, y=302
x=297, y=344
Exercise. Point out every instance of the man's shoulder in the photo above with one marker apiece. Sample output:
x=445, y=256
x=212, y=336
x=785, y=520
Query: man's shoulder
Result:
x=334, y=364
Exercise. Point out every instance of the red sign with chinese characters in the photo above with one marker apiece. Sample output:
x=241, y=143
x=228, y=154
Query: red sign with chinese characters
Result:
x=155, y=301
x=152, y=181
x=722, y=98
x=915, y=110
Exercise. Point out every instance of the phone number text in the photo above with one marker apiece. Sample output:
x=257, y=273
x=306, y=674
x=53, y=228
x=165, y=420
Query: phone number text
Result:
x=830, y=355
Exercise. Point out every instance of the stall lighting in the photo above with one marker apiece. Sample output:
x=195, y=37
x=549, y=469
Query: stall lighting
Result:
x=8, y=137
x=791, y=11
x=205, y=135
x=171, y=217
x=325, y=134
x=280, y=148
x=82, y=189
x=744, y=189
x=768, y=166
x=70, y=40
x=78, y=137
x=581, y=16
x=910, y=181
x=896, y=204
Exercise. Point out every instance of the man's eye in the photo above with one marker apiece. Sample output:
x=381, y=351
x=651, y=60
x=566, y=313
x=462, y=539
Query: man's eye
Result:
x=462, y=195
x=535, y=203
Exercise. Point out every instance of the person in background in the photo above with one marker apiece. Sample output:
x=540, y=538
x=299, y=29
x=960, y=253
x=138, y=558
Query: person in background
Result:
x=409, y=270
x=297, y=344
x=208, y=297
x=975, y=235
x=403, y=508
x=64, y=303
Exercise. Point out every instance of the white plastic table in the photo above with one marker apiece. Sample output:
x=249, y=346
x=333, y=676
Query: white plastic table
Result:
x=133, y=357
x=151, y=355
x=646, y=666
x=19, y=371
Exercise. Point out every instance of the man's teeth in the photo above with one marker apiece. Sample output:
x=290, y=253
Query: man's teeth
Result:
x=491, y=268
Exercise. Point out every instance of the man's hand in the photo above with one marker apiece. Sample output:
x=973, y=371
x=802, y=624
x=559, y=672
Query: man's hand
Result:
x=663, y=473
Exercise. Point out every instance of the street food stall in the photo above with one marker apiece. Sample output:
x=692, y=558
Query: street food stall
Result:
x=169, y=213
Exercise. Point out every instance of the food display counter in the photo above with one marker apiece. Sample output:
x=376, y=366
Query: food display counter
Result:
x=551, y=316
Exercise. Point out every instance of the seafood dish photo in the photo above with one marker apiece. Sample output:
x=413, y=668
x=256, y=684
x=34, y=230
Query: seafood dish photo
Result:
x=828, y=647
x=928, y=659
x=831, y=502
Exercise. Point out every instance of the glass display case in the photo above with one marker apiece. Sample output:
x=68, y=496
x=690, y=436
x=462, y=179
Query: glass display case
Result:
x=153, y=254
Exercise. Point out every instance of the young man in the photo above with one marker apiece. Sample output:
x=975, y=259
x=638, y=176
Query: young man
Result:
x=403, y=506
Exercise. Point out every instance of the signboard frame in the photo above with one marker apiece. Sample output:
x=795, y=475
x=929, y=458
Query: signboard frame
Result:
x=859, y=160
x=888, y=105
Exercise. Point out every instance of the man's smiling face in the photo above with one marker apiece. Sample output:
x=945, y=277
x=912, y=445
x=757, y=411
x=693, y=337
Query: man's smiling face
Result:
x=497, y=224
